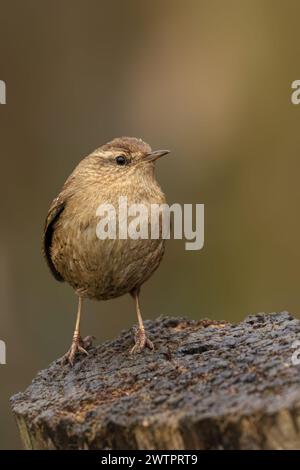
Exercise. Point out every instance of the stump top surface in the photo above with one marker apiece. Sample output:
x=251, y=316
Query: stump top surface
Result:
x=199, y=370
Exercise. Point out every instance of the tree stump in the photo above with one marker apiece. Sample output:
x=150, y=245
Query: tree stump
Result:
x=207, y=385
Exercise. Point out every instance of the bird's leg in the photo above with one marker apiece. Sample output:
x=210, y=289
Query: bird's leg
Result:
x=140, y=337
x=78, y=344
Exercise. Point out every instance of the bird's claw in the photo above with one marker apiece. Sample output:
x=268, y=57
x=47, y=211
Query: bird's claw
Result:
x=78, y=345
x=141, y=341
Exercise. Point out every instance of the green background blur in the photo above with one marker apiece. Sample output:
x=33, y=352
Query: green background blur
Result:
x=211, y=80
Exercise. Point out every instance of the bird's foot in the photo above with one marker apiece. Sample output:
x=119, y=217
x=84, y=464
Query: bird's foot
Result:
x=78, y=345
x=141, y=341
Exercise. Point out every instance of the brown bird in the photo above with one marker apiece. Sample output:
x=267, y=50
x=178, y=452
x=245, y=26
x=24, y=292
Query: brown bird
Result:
x=96, y=268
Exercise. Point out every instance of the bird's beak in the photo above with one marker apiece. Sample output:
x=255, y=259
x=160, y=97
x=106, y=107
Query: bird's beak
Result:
x=151, y=157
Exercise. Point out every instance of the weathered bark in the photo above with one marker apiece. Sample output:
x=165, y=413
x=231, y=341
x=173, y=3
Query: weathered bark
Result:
x=207, y=385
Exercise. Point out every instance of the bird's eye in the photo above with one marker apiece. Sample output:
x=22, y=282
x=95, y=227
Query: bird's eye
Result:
x=121, y=160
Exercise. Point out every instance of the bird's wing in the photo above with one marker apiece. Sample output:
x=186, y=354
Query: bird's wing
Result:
x=55, y=211
x=57, y=207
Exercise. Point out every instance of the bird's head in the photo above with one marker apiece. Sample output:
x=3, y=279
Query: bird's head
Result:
x=125, y=156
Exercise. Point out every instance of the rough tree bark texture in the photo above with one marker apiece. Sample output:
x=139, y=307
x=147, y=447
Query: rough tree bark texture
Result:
x=207, y=385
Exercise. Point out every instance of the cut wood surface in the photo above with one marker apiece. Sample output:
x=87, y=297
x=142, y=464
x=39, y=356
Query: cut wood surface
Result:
x=207, y=385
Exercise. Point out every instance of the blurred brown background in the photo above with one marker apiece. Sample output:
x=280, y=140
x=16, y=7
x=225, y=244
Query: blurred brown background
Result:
x=208, y=79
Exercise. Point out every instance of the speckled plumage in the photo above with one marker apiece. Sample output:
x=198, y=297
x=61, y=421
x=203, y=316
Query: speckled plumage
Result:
x=103, y=269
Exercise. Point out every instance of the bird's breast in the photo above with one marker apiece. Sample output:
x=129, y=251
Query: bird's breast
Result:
x=108, y=267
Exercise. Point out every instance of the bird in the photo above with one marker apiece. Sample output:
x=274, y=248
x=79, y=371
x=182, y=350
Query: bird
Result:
x=103, y=269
